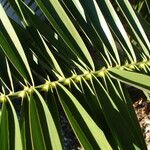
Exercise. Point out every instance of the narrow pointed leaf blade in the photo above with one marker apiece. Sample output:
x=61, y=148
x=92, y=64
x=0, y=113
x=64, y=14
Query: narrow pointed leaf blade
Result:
x=115, y=120
x=10, y=30
x=50, y=127
x=54, y=110
x=16, y=135
x=25, y=126
x=97, y=19
x=69, y=100
x=124, y=110
x=65, y=28
x=132, y=78
x=15, y=60
x=4, y=129
x=117, y=26
x=52, y=59
x=135, y=25
x=35, y=126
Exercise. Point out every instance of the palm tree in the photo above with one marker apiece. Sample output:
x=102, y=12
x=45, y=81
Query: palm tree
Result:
x=79, y=59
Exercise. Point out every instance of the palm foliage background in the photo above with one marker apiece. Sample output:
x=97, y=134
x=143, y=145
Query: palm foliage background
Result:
x=78, y=58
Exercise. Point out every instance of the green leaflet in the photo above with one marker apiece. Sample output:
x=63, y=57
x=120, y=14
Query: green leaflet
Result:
x=34, y=24
x=91, y=104
x=88, y=133
x=125, y=110
x=25, y=125
x=35, y=126
x=115, y=23
x=63, y=25
x=78, y=12
x=132, y=78
x=3, y=71
x=51, y=58
x=135, y=25
x=115, y=120
x=54, y=110
x=43, y=130
x=97, y=19
x=14, y=128
x=4, y=129
x=18, y=58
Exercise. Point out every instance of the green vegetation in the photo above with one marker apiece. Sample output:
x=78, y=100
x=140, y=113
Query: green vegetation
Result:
x=79, y=58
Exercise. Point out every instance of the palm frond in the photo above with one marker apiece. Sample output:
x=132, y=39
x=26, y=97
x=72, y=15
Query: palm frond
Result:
x=78, y=59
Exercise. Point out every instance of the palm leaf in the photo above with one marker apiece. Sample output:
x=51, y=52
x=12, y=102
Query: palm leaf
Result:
x=75, y=60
